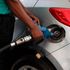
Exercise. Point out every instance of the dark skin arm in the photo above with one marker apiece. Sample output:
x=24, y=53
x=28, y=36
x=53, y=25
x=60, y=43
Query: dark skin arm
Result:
x=17, y=8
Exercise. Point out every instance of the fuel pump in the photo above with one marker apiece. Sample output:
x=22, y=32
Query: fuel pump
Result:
x=53, y=33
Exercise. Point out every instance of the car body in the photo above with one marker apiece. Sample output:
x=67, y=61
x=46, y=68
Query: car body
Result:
x=57, y=53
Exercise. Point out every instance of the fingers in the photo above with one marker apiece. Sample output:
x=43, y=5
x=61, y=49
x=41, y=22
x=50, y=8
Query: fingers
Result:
x=35, y=19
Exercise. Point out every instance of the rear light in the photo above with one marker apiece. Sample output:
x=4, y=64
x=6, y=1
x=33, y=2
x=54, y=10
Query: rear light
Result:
x=61, y=14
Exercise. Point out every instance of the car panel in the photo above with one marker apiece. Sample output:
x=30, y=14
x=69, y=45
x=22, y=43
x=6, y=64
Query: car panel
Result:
x=29, y=3
x=53, y=3
x=63, y=57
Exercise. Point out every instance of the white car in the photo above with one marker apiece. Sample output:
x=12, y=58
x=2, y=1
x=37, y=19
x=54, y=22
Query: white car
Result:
x=51, y=54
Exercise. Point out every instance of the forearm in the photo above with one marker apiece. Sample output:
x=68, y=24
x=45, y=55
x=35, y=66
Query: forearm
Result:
x=20, y=12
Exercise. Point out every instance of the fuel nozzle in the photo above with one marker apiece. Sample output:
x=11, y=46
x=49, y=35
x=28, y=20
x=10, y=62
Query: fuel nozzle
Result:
x=46, y=32
x=54, y=33
x=21, y=40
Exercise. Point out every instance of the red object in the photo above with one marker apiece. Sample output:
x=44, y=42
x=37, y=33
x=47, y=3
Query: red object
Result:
x=61, y=14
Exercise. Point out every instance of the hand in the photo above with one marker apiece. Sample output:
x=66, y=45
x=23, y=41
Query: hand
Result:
x=35, y=19
x=37, y=34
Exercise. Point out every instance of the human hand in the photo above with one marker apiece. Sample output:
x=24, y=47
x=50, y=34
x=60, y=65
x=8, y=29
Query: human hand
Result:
x=37, y=34
x=35, y=19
